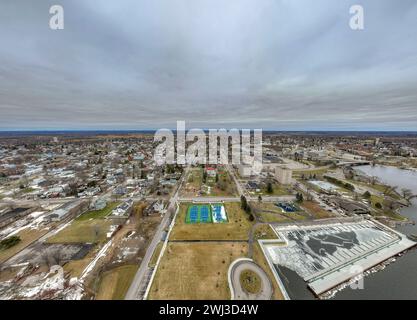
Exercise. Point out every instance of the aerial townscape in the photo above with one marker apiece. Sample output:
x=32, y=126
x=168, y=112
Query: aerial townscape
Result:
x=91, y=216
x=207, y=158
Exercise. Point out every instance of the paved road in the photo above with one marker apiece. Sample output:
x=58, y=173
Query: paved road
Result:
x=239, y=187
x=237, y=199
x=138, y=286
x=237, y=292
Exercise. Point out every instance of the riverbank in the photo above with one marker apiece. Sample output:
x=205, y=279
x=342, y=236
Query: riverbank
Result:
x=400, y=277
x=396, y=272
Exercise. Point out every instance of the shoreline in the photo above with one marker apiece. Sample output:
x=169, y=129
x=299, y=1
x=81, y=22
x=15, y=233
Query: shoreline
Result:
x=377, y=268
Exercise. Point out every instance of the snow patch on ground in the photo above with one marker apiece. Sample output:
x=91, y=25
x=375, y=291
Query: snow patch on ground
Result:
x=112, y=230
x=31, y=221
x=36, y=286
x=92, y=264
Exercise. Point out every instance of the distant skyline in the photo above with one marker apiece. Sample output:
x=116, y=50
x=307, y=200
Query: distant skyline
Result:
x=290, y=65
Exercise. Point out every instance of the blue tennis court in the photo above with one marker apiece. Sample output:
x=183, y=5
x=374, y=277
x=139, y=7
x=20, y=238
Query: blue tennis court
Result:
x=193, y=214
x=204, y=214
x=198, y=214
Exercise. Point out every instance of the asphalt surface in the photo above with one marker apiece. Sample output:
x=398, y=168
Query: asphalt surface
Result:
x=237, y=199
x=138, y=285
x=238, y=292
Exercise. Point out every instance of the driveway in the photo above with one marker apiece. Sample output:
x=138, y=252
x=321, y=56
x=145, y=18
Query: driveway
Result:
x=237, y=292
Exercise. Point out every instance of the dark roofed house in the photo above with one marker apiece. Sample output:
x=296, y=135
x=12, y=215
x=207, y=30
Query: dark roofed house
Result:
x=351, y=207
x=120, y=190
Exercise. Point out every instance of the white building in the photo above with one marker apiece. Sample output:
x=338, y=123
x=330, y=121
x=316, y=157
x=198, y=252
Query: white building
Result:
x=67, y=209
x=98, y=204
x=283, y=175
x=245, y=170
x=211, y=172
x=123, y=209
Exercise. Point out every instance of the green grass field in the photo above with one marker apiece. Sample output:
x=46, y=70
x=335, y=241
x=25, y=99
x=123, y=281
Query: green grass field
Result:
x=91, y=231
x=27, y=236
x=90, y=227
x=310, y=172
x=225, y=185
x=237, y=227
x=264, y=231
x=199, y=218
x=269, y=212
x=277, y=190
x=155, y=254
x=98, y=214
x=260, y=259
x=196, y=270
x=250, y=281
x=314, y=209
x=115, y=283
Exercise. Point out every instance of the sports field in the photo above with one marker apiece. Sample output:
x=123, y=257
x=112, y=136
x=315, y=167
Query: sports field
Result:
x=235, y=226
x=198, y=213
x=206, y=213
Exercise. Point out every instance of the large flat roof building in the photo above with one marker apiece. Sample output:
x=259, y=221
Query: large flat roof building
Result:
x=283, y=175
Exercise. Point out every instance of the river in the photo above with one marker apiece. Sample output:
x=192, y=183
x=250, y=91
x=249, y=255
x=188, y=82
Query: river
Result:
x=399, y=279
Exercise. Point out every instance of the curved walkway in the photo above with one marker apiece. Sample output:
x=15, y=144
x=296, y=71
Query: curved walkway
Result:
x=236, y=290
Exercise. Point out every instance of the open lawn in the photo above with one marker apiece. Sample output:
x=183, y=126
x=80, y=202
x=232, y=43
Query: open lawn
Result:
x=90, y=231
x=194, y=184
x=264, y=231
x=195, y=271
x=28, y=190
x=27, y=236
x=224, y=187
x=237, y=228
x=195, y=177
x=269, y=212
x=260, y=259
x=250, y=281
x=315, y=210
x=393, y=215
x=376, y=199
x=155, y=254
x=277, y=190
x=310, y=172
x=115, y=283
x=272, y=217
x=96, y=214
x=378, y=187
x=384, y=211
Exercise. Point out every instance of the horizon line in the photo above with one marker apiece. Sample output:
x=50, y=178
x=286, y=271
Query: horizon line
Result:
x=204, y=129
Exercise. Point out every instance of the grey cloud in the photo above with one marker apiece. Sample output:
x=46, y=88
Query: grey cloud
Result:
x=239, y=63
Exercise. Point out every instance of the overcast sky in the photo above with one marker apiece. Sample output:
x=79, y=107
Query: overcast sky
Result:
x=271, y=64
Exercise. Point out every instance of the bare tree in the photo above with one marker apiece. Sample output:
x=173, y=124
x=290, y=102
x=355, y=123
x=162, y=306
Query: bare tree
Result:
x=57, y=256
x=389, y=190
x=46, y=258
x=389, y=204
x=309, y=196
x=407, y=194
x=96, y=233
